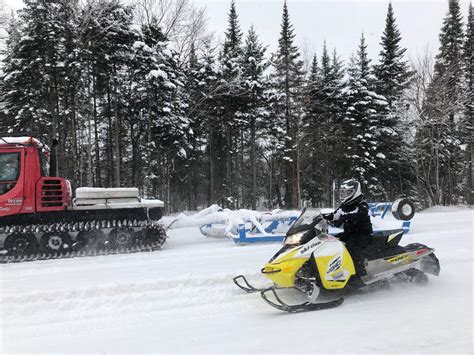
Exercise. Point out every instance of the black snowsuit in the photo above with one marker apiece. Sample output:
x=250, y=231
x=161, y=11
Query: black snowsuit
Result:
x=357, y=231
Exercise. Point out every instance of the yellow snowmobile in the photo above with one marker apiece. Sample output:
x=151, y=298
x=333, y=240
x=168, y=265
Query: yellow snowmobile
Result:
x=317, y=267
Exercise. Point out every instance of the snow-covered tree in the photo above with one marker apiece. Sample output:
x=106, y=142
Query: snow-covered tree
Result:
x=467, y=128
x=364, y=109
x=313, y=129
x=231, y=90
x=438, y=142
x=392, y=72
x=392, y=79
x=231, y=58
x=40, y=75
x=449, y=61
x=316, y=129
x=255, y=114
x=287, y=81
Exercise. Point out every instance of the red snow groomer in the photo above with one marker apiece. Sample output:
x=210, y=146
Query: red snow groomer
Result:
x=40, y=219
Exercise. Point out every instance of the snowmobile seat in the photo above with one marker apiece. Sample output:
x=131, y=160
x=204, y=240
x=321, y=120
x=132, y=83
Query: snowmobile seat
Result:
x=384, y=244
x=389, y=237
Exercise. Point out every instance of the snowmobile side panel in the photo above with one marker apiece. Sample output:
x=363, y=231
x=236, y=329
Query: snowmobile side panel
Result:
x=283, y=273
x=422, y=258
x=335, y=270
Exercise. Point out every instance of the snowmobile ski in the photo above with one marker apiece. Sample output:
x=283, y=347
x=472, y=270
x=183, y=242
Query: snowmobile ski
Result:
x=303, y=307
x=243, y=284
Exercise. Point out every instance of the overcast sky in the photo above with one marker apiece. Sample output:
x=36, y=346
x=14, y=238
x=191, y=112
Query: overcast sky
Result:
x=339, y=22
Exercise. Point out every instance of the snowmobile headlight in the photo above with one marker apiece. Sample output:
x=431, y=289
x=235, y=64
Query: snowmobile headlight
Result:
x=294, y=238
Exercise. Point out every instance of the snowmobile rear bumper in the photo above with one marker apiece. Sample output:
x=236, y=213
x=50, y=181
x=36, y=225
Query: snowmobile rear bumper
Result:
x=430, y=265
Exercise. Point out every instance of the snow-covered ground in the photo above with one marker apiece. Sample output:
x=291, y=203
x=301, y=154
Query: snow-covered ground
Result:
x=182, y=299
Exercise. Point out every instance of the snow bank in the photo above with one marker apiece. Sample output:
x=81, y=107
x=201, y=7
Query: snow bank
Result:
x=457, y=208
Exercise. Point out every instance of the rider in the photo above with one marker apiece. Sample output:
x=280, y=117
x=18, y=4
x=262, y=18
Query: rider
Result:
x=353, y=215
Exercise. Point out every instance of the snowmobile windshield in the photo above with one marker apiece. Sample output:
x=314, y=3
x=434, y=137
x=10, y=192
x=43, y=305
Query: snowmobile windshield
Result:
x=307, y=220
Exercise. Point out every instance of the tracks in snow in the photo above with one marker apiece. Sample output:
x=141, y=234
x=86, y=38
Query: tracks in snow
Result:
x=132, y=302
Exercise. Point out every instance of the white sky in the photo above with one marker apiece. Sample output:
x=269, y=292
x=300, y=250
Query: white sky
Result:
x=339, y=22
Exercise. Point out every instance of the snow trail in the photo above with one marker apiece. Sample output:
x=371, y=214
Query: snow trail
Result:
x=182, y=299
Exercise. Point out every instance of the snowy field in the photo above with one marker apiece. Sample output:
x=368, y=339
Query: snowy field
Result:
x=182, y=299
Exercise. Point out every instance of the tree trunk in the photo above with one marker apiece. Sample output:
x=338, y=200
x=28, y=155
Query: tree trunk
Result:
x=212, y=182
x=110, y=172
x=228, y=164
x=242, y=174
x=253, y=158
x=116, y=135
x=96, y=134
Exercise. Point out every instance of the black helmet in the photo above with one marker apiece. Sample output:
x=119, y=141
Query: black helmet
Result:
x=350, y=192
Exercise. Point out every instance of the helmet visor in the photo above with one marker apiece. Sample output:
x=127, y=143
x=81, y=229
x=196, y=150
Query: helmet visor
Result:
x=345, y=193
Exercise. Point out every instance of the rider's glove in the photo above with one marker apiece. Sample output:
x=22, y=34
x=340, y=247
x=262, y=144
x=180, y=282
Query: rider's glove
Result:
x=337, y=215
x=328, y=216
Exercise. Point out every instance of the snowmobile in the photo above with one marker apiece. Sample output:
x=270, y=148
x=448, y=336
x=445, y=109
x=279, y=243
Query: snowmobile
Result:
x=317, y=268
x=41, y=219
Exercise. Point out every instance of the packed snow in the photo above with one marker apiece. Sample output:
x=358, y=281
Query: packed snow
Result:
x=182, y=299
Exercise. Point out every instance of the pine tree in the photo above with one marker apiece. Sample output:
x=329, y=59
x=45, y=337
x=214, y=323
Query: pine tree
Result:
x=439, y=135
x=336, y=133
x=4, y=26
x=143, y=70
x=361, y=120
x=313, y=91
x=209, y=105
x=202, y=110
x=40, y=75
x=468, y=126
x=312, y=129
x=9, y=36
x=231, y=96
x=29, y=103
x=393, y=77
x=392, y=73
x=196, y=134
x=321, y=158
x=170, y=125
x=232, y=50
x=449, y=61
x=287, y=83
x=334, y=88
x=255, y=113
